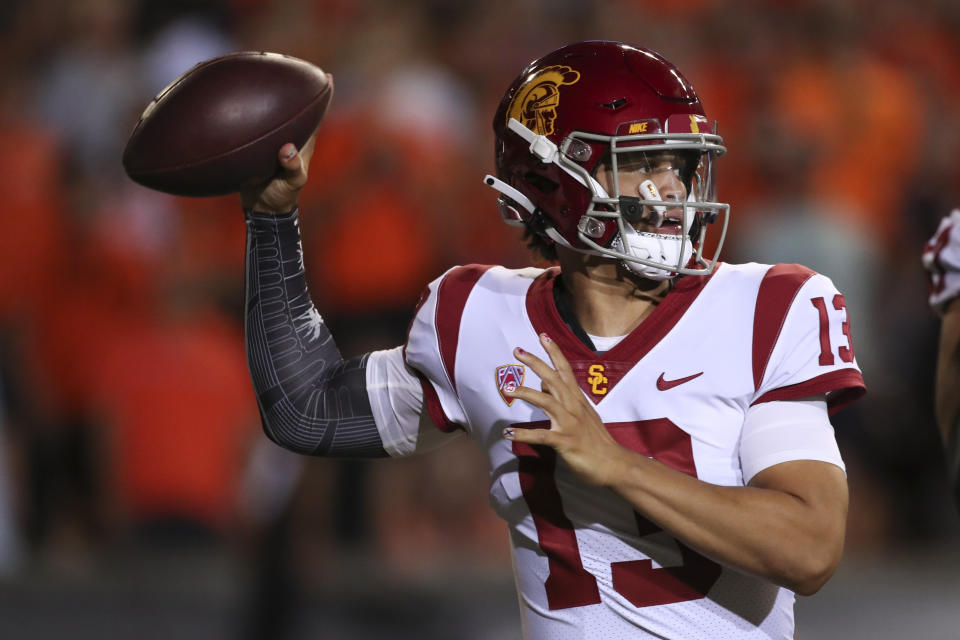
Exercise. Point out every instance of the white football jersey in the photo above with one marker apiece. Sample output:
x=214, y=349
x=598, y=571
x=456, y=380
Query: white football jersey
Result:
x=676, y=389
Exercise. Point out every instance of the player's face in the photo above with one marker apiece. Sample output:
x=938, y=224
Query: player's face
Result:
x=664, y=170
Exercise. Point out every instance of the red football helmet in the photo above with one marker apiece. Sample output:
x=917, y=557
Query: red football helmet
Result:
x=589, y=103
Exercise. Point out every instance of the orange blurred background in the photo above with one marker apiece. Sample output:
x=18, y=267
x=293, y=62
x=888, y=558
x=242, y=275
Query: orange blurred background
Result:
x=137, y=494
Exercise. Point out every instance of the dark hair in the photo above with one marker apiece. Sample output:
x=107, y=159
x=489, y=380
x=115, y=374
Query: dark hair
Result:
x=534, y=233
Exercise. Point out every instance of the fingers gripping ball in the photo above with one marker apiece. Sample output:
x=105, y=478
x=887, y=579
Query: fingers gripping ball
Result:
x=217, y=127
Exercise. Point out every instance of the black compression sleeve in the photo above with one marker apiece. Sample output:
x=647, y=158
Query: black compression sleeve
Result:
x=311, y=400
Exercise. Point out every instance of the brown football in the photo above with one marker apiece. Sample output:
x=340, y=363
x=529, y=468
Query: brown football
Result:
x=219, y=126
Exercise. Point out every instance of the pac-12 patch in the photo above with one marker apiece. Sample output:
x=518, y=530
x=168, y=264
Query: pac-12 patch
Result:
x=509, y=377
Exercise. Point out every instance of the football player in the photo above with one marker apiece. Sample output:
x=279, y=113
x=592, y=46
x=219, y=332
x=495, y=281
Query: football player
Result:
x=941, y=259
x=656, y=422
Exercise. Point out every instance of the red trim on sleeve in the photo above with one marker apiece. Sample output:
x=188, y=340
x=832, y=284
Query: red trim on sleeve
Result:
x=452, y=294
x=778, y=288
x=434, y=408
x=842, y=387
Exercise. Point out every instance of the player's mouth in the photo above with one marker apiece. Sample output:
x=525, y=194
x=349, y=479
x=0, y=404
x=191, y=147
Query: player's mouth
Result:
x=670, y=226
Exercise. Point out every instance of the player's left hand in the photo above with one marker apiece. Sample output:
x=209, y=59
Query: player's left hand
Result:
x=576, y=431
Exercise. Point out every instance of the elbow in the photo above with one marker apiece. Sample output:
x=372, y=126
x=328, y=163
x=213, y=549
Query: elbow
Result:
x=282, y=437
x=271, y=433
x=812, y=583
x=811, y=572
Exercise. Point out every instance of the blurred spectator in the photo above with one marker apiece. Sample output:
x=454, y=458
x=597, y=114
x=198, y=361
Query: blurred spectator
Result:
x=89, y=85
x=172, y=392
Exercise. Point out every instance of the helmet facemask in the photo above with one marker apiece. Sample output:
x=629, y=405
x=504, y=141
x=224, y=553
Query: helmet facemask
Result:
x=648, y=253
x=658, y=236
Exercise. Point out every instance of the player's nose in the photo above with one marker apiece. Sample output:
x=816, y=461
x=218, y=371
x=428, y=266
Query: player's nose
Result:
x=669, y=186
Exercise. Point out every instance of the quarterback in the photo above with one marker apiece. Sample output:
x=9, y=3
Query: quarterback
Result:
x=656, y=421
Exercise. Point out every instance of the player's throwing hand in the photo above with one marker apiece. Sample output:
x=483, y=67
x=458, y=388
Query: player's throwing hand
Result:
x=576, y=431
x=280, y=193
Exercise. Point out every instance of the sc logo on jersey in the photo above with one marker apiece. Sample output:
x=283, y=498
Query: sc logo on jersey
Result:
x=535, y=104
x=596, y=379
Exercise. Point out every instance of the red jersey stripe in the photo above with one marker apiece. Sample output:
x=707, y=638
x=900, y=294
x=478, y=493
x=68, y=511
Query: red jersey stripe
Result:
x=434, y=409
x=777, y=290
x=452, y=294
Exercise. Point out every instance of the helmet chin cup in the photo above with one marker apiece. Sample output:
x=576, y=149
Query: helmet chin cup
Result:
x=648, y=254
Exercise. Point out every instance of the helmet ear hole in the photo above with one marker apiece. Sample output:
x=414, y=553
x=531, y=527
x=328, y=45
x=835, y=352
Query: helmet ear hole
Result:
x=541, y=183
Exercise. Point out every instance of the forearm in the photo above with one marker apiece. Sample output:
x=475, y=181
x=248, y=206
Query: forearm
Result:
x=758, y=530
x=311, y=400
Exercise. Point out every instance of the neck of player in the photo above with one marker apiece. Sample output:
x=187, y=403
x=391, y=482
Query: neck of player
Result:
x=606, y=298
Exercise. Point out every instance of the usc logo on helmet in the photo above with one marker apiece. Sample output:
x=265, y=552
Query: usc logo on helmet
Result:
x=535, y=105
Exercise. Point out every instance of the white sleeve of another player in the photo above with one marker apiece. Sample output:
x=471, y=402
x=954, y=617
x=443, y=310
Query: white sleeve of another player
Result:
x=396, y=398
x=941, y=259
x=786, y=430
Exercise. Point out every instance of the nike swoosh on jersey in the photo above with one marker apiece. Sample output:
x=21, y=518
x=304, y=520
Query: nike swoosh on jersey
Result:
x=663, y=385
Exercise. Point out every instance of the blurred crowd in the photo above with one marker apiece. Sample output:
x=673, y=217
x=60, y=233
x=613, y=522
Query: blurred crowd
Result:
x=127, y=420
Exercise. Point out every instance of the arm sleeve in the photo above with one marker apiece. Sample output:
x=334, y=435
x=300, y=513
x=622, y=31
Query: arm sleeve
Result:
x=810, y=348
x=396, y=397
x=311, y=400
x=782, y=431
